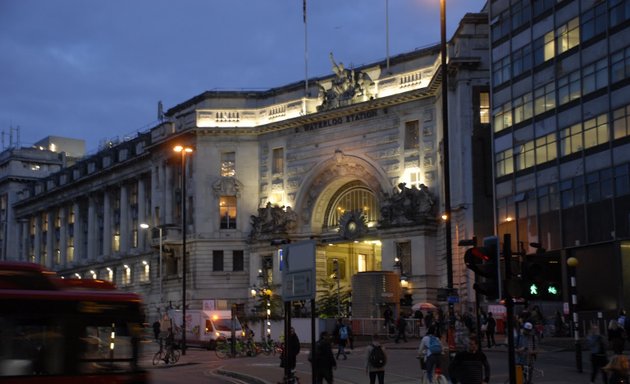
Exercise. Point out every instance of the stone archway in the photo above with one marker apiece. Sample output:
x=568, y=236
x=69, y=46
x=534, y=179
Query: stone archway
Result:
x=324, y=181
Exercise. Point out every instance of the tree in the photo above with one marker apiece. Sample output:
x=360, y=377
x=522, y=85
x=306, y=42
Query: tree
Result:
x=327, y=302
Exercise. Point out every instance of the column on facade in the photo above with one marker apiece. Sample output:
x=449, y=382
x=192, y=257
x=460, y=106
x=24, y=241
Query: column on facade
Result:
x=77, y=233
x=142, y=206
x=92, y=240
x=125, y=227
x=63, y=236
x=167, y=193
x=37, y=241
x=107, y=224
x=24, y=240
x=50, y=238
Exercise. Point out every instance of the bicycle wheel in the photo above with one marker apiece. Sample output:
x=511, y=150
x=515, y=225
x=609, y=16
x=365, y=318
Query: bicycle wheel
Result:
x=175, y=355
x=440, y=379
x=158, y=357
x=222, y=350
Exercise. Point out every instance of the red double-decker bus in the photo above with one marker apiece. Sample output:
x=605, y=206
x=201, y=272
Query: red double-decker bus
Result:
x=55, y=330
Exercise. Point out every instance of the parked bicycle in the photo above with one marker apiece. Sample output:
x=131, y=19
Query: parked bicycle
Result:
x=169, y=354
x=223, y=349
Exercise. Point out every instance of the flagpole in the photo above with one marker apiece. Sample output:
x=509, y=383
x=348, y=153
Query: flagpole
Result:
x=305, y=50
x=386, y=32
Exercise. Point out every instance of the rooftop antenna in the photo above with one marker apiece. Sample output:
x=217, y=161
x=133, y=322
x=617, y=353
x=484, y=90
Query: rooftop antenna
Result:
x=160, y=111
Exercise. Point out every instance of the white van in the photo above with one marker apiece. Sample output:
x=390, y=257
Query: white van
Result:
x=203, y=328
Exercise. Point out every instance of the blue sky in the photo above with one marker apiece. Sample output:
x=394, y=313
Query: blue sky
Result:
x=95, y=70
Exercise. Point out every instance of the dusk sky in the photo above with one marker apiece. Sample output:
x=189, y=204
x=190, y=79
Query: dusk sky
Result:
x=95, y=70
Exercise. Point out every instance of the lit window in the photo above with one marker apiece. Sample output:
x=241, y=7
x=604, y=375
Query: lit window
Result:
x=596, y=131
x=571, y=139
x=227, y=210
x=568, y=35
x=484, y=108
x=228, y=161
x=361, y=262
x=505, y=163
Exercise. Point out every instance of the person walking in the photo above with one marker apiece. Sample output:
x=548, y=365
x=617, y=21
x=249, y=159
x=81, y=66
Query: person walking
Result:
x=156, y=330
x=470, y=366
x=376, y=361
x=401, y=326
x=341, y=334
x=323, y=359
x=429, y=352
x=598, y=354
x=388, y=315
x=491, y=327
x=616, y=337
x=293, y=349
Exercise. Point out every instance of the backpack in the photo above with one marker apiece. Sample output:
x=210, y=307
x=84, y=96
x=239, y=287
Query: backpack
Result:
x=435, y=346
x=377, y=357
x=343, y=333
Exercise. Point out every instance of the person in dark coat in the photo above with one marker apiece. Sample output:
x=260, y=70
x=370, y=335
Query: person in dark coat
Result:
x=323, y=359
x=401, y=326
x=616, y=337
x=156, y=330
x=491, y=327
x=470, y=366
x=293, y=349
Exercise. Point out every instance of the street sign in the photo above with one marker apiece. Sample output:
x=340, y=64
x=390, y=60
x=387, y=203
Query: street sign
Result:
x=298, y=272
x=453, y=299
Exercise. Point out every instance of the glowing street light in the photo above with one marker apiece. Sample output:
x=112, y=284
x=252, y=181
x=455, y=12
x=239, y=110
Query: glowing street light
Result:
x=183, y=151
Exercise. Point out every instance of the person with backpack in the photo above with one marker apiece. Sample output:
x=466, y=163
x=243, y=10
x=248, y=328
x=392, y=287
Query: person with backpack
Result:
x=470, y=366
x=376, y=361
x=430, y=352
x=342, y=334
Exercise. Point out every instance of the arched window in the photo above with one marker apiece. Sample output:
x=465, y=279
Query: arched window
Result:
x=350, y=197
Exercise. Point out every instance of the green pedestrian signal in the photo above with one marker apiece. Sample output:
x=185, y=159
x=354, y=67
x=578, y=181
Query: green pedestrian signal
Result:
x=533, y=289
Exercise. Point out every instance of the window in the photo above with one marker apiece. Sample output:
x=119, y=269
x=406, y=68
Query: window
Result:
x=593, y=21
x=217, y=261
x=571, y=139
x=621, y=122
x=569, y=87
x=238, y=260
x=619, y=11
x=126, y=275
x=568, y=35
x=524, y=158
x=622, y=181
x=541, y=6
x=352, y=197
x=502, y=70
x=331, y=268
x=361, y=262
x=620, y=65
x=544, y=98
x=503, y=117
x=596, y=131
x=484, y=107
x=520, y=13
x=228, y=161
x=145, y=274
x=277, y=166
x=544, y=48
x=522, y=60
x=594, y=76
x=505, y=163
x=523, y=108
x=546, y=148
x=227, y=210
x=412, y=138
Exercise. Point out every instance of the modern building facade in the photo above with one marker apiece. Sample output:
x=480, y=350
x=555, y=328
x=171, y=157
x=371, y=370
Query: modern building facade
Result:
x=352, y=161
x=560, y=102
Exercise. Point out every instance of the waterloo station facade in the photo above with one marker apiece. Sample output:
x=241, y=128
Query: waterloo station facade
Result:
x=353, y=162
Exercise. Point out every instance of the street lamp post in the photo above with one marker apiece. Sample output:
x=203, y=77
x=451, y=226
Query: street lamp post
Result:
x=573, y=262
x=336, y=266
x=147, y=226
x=183, y=151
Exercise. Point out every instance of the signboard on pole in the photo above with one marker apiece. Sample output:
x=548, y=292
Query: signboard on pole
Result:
x=298, y=271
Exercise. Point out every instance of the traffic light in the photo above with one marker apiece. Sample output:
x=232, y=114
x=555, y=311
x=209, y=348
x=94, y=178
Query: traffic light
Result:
x=539, y=279
x=484, y=262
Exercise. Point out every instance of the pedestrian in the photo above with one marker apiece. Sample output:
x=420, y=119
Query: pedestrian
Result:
x=156, y=330
x=430, y=353
x=401, y=326
x=525, y=346
x=470, y=366
x=598, y=354
x=388, y=316
x=461, y=334
x=491, y=328
x=376, y=361
x=291, y=351
x=341, y=334
x=323, y=359
x=618, y=370
x=616, y=337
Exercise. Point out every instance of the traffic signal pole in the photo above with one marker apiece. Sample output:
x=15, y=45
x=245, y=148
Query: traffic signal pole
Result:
x=509, y=306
